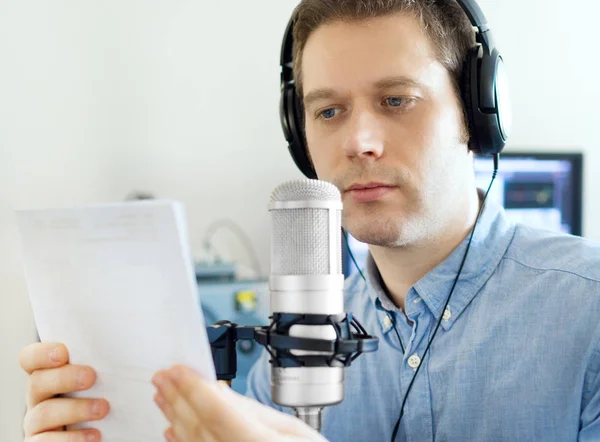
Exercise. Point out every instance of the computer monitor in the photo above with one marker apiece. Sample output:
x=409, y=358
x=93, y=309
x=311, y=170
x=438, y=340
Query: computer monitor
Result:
x=538, y=189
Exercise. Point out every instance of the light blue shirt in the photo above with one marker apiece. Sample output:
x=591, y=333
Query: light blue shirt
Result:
x=517, y=357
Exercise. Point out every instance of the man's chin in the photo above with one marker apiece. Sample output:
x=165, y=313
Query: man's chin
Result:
x=376, y=237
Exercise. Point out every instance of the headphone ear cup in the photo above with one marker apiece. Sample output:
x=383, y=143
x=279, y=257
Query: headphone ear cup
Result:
x=299, y=119
x=469, y=85
x=297, y=144
x=283, y=115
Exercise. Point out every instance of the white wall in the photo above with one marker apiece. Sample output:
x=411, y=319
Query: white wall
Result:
x=180, y=98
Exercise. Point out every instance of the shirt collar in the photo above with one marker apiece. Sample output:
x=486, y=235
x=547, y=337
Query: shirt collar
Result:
x=491, y=239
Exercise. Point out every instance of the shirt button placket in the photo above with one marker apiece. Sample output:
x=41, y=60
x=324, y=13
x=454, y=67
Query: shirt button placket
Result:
x=417, y=418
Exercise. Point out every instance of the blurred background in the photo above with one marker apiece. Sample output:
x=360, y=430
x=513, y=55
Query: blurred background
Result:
x=103, y=101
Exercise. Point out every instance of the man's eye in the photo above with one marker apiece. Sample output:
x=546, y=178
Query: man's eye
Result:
x=328, y=114
x=395, y=101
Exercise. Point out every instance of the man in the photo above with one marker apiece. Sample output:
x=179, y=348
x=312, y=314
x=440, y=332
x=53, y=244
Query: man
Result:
x=517, y=354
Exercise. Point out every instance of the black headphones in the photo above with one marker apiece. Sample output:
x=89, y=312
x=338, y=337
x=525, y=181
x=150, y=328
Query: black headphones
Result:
x=484, y=90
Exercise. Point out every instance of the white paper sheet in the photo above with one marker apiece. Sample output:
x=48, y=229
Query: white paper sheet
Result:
x=115, y=283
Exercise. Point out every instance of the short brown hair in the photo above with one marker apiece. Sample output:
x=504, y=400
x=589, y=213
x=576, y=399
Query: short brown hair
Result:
x=443, y=21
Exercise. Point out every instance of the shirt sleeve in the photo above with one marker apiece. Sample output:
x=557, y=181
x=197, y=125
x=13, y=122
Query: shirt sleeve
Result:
x=590, y=414
x=259, y=383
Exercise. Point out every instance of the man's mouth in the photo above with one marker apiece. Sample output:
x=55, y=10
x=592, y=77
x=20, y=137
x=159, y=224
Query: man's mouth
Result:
x=367, y=192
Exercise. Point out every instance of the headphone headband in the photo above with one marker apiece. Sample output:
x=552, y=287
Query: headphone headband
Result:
x=474, y=13
x=483, y=89
x=471, y=9
x=478, y=20
x=287, y=53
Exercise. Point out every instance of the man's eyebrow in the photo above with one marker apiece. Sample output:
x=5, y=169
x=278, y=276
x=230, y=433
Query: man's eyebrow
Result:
x=316, y=95
x=384, y=83
x=389, y=82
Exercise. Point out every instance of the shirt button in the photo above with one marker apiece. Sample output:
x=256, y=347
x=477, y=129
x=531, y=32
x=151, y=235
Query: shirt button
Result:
x=447, y=314
x=387, y=322
x=414, y=361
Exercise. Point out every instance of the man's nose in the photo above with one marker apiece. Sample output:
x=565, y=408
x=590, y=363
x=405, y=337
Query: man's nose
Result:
x=365, y=136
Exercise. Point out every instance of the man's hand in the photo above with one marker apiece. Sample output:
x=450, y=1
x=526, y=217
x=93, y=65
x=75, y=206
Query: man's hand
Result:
x=203, y=411
x=50, y=375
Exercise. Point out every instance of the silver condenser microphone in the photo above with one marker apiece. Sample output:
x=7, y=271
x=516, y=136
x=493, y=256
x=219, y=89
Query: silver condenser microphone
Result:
x=306, y=279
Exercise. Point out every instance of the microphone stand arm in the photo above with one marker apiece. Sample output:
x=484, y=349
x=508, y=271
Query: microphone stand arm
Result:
x=223, y=336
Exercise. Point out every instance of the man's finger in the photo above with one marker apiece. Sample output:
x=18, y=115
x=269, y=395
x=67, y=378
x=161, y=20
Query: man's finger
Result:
x=44, y=384
x=164, y=406
x=170, y=434
x=55, y=413
x=176, y=409
x=221, y=419
x=41, y=355
x=71, y=436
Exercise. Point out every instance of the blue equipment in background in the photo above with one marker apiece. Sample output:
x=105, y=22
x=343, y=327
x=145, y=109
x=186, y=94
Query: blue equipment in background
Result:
x=244, y=302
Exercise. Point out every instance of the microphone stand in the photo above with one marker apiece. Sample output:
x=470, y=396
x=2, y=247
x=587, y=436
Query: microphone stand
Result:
x=340, y=352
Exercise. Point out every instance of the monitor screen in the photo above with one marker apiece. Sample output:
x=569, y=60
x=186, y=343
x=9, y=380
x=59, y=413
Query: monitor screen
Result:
x=538, y=189
x=541, y=190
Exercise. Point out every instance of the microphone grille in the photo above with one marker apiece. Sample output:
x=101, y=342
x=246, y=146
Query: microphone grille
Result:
x=302, y=238
x=306, y=190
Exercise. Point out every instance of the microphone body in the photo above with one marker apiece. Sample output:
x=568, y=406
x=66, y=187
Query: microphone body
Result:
x=306, y=279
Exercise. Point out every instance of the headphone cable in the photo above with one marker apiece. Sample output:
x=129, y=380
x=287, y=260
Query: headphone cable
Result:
x=397, y=425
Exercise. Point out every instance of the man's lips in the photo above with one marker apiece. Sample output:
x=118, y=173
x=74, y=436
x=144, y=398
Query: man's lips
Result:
x=363, y=193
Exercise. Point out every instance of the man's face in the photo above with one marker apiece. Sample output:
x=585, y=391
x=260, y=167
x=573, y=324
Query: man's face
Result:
x=384, y=125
